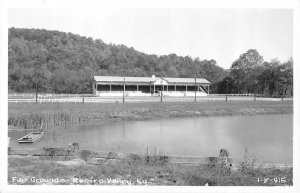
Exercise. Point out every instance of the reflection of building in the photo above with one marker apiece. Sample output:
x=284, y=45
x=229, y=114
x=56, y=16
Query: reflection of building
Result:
x=147, y=86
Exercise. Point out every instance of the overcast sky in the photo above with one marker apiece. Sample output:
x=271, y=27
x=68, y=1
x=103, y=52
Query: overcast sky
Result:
x=220, y=34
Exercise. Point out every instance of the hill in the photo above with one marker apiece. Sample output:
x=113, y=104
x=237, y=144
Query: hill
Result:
x=65, y=62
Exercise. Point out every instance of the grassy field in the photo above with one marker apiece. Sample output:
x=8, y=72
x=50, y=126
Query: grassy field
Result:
x=26, y=170
x=34, y=116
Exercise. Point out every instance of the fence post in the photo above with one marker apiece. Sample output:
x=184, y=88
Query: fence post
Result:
x=9, y=148
x=147, y=154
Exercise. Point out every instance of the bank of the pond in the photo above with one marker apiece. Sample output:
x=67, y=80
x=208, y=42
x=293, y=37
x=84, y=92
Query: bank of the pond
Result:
x=36, y=116
x=29, y=170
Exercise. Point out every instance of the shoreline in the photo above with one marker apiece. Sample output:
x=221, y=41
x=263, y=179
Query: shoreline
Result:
x=108, y=121
x=59, y=115
x=37, y=116
x=22, y=168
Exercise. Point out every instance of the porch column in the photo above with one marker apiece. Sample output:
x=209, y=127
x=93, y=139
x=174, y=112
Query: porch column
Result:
x=110, y=87
x=154, y=88
x=186, y=87
x=167, y=88
x=137, y=87
x=175, y=87
x=208, y=89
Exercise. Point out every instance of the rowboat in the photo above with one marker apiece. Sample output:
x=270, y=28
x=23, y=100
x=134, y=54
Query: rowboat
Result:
x=31, y=137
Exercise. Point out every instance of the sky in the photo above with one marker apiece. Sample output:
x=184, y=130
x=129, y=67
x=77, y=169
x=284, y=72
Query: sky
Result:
x=219, y=34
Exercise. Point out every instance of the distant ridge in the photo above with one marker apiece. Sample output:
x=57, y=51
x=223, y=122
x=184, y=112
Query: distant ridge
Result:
x=66, y=63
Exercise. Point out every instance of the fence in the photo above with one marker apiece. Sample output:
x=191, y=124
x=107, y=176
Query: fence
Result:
x=89, y=98
x=32, y=95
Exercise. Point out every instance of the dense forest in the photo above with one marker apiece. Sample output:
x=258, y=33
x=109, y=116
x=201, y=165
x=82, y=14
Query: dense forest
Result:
x=65, y=63
x=251, y=74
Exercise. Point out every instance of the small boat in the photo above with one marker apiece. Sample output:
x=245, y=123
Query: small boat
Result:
x=31, y=137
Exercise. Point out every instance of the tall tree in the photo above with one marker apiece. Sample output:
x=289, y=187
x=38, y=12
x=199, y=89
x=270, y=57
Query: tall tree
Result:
x=242, y=70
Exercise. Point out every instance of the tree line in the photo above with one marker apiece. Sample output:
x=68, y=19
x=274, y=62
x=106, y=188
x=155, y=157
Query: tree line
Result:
x=251, y=74
x=65, y=63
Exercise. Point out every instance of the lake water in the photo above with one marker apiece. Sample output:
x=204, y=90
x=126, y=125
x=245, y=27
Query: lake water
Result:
x=267, y=137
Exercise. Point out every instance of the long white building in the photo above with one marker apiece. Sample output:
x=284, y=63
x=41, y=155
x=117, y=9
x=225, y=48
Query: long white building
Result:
x=149, y=86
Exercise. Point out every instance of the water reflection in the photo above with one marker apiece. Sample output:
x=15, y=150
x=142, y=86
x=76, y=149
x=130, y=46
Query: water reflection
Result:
x=269, y=137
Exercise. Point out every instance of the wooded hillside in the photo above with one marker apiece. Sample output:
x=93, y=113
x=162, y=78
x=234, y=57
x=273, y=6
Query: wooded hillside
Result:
x=65, y=63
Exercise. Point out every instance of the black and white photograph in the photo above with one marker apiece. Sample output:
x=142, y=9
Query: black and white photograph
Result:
x=148, y=96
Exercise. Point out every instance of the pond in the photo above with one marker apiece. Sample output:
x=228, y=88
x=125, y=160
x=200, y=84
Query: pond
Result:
x=268, y=138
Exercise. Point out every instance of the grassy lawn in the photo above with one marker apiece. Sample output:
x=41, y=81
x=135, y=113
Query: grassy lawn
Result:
x=138, y=173
x=33, y=115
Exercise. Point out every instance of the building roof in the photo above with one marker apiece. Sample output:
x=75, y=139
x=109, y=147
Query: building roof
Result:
x=187, y=80
x=150, y=79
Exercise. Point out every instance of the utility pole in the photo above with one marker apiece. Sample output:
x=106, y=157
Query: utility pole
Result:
x=124, y=90
x=83, y=93
x=161, y=83
x=226, y=89
x=195, y=91
x=36, y=85
x=282, y=92
x=291, y=87
x=69, y=87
